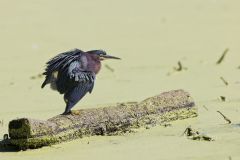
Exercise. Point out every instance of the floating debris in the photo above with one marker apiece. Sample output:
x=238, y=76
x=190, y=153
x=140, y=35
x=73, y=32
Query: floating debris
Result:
x=40, y=75
x=177, y=69
x=180, y=67
x=223, y=56
x=225, y=118
x=223, y=99
x=224, y=81
x=109, y=68
x=196, y=135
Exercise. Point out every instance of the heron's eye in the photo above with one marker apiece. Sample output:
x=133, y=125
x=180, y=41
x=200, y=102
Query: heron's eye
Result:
x=103, y=53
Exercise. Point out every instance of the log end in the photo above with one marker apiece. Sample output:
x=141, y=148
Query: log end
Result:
x=19, y=128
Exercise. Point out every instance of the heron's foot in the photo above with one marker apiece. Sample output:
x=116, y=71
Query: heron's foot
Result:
x=66, y=113
x=75, y=112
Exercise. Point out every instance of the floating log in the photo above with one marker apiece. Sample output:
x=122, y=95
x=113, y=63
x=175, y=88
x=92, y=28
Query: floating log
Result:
x=116, y=119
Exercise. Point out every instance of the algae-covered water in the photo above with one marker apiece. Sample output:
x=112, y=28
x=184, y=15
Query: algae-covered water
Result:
x=150, y=37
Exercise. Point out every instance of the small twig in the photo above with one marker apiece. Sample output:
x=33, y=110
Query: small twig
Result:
x=180, y=67
x=223, y=56
x=226, y=119
x=109, y=68
x=224, y=81
x=177, y=69
x=205, y=107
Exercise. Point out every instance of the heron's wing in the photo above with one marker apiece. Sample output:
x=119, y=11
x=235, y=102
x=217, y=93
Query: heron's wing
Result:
x=80, y=83
x=74, y=77
x=59, y=62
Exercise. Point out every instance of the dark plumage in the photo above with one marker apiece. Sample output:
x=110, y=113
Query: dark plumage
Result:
x=72, y=73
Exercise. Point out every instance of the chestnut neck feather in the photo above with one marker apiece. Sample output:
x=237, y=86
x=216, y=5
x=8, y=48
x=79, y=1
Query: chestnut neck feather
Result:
x=93, y=63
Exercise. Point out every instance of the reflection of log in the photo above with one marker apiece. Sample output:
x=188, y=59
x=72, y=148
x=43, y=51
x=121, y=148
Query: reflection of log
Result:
x=119, y=118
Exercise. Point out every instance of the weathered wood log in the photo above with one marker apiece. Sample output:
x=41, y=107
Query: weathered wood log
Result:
x=111, y=120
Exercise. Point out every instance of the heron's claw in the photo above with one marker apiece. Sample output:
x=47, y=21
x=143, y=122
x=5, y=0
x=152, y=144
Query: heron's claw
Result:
x=74, y=112
x=66, y=113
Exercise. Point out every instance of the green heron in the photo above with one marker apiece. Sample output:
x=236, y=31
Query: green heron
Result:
x=72, y=73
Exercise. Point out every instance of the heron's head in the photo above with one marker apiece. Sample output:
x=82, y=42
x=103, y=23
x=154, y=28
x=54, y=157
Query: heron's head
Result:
x=100, y=55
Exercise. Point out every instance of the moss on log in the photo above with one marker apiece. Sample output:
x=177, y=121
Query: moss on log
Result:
x=111, y=120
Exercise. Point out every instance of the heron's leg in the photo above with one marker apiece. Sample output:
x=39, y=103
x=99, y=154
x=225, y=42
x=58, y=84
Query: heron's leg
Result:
x=70, y=101
x=73, y=96
x=69, y=106
x=68, y=109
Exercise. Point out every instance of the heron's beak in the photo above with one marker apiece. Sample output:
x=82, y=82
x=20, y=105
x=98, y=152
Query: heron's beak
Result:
x=103, y=57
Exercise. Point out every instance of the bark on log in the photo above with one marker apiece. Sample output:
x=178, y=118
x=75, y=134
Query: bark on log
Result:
x=119, y=118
